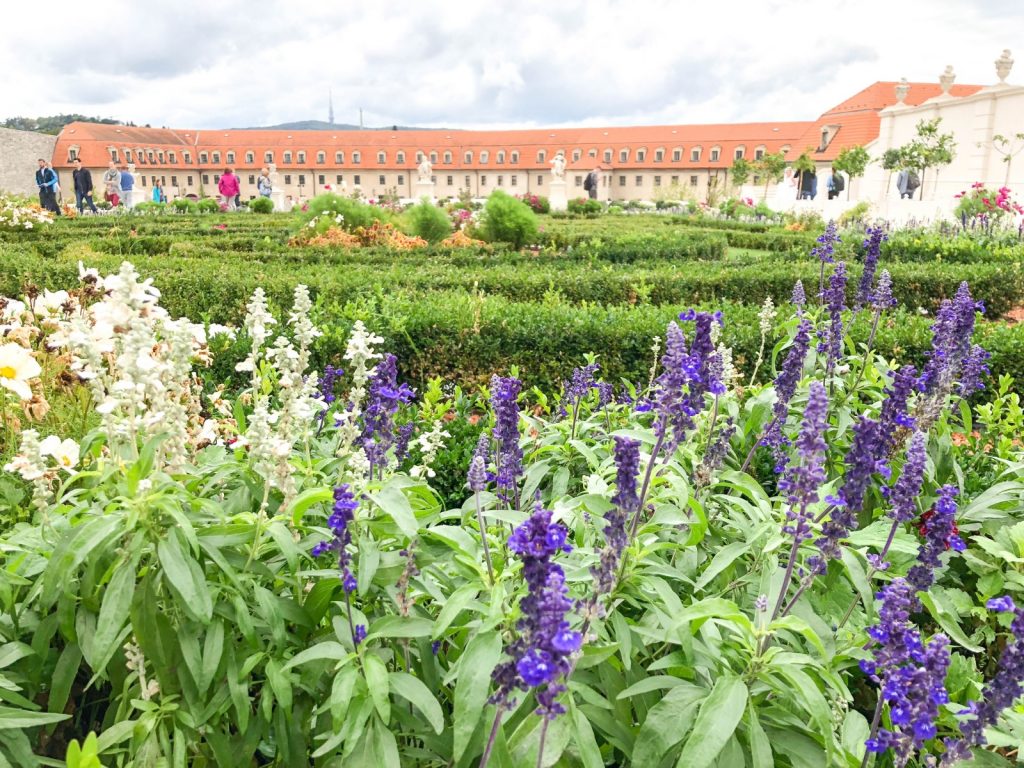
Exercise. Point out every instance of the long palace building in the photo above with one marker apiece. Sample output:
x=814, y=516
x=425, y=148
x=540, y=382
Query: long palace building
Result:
x=634, y=162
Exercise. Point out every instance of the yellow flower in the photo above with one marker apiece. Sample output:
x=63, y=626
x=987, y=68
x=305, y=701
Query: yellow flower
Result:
x=17, y=366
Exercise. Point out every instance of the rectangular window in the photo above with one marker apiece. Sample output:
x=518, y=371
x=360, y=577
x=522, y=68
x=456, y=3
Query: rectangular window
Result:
x=151, y=160
x=287, y=157
x=203, y=157
x=216, y=178
x=206, y=178
x=592, y=153
x=715, y=153
x=468, y=157
x=578, y=181
x=268, y=157
x=321, y=158
x=607, y=155
x=515, y=158
x=250, y=157
x=381, y=180
x=540, y=181
x=231, y=158
x=757, y=179
x=339, y=178
x=160, y=155
x=174, y=181
x=468, y=183
x=189, y=179
x=641, y=155
x=321, y=180
x=252, y=178
x=675, y=181
x=188, y=156
x=401, y=179
x=693, y=181
x=695, y=155
x=623, y=155
x=143, y=180
x=677, y=155
x=738, y=154
x=127, y=155
x=216, y=157
x=758, y=154
x=339, y=157
x=659, y=155
x=381, y=158
x=287, y=178
x=451, y=180
x=302, y=179
x=302, y=157
x=356, y=181
x=171, y=158
x=483, y=181
x=657, y=181
x=514, y=181
x=72, y=154
x=356, y=158
x=639, y=181
x=622, y=181
x=113, y=155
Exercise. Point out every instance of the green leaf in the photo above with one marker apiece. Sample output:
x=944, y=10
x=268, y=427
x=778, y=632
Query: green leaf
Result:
x=280, y=684
x=760, y=746
x=18, y=719
x=115, y=734
x=307, y=499
x=666, y=724
x=718, y=717
x=385, y=747
x=377, y=682
x=114, y=610
x=648, y=684
x=185, y=578
x=722, y=560
x=328, y=650
x=64, y=673
x=12, y=652
x=457, y=602
x=583, y=735
x=393, y=503
x=946, y=616
x=416, y=693
x=400, y=626
x=213, y=650
x=473, y=687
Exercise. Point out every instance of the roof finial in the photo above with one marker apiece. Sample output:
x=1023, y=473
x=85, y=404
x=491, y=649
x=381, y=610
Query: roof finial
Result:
x=946, y=79
x=1003, y=65
x=902, y=89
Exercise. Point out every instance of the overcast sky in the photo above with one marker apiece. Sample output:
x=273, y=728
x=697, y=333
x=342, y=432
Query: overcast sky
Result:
x=239, y=63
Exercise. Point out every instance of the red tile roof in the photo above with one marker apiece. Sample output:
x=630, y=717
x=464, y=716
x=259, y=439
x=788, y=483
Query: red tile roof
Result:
x=857, y=120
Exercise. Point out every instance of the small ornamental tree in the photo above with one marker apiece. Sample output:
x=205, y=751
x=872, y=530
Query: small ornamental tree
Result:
x=741, y=169
x=891, y=160
x=930, y=149
x=803, y=163
x=852, y=161
x=770, y=166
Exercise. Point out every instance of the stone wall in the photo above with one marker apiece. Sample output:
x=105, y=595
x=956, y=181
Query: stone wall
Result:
x=19, y=153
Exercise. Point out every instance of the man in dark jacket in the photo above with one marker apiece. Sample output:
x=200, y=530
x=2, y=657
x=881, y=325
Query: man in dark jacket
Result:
x=46, y=180
x=83, y=187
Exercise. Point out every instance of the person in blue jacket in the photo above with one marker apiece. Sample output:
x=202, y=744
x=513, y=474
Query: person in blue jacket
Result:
x=46, y=180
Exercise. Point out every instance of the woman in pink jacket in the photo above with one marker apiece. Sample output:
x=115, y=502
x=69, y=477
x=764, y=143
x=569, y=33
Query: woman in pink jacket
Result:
x=229, y=188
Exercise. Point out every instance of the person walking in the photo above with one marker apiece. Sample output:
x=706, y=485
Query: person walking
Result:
x=127, y=184
x=590, y=183
x=263, y=184
x=112, y=185
x=158, y=193
x=46, y=179
x=82, y=179
x=228, y=187
x=58, y=193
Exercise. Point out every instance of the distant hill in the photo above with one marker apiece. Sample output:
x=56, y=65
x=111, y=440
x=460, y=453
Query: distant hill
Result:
x=54, y=123
x=323, y=125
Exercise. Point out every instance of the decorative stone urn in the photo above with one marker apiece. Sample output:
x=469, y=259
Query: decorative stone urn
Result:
x=946, y=79
x=902, y=89
x=1003, y=65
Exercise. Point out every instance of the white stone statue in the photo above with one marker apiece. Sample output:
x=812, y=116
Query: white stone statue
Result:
x=558, y=166
x=946, y=79
x=1003, y=65
x=425, y=169
x=902, y=89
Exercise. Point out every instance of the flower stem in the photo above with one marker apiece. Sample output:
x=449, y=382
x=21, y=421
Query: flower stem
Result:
x=483, y=538
x=543, y=738
x=757, y=442
x=874, y=729
x=870, y=573
x=486, y=756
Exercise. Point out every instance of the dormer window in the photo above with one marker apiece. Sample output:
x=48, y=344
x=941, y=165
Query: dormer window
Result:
x=321, y=157
x=500, y=158
x=467, y=157
x=623, y=155
x=759, y=153
x=400, y=157
x=576, y=155
x=607, y=155
x=641, y=155
x=231, y=158
x=339, y=158
x=302, y=157
x=541, y=156
x=356, y=159
x=695, y=155
x=659, y=155
x=216, y=158
x=204, y=158
x=447, y=158
x=382, y=157
x=739, y=152
x=514, y=158
x=716, y=152
x=484, y=156
x=677, y=155
x=287, y=157
x=250, y=157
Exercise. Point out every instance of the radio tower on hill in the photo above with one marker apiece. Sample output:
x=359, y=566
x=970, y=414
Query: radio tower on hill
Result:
x=330, y=107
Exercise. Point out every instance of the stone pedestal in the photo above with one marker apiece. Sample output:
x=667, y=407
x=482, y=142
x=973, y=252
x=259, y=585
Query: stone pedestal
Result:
x=277, y=195
x=421, y=189
x=557, y=195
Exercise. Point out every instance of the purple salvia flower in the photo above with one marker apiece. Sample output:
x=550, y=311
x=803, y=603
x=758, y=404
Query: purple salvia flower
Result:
x=402, y=441
x=911, y=674
x=477, y=475
x=327, y=384
x=863, y=460
x=834, y=298
x=359, y=635
x=974, y=371
x=940, y=534
x=1000, y=693
x=826, y=247
x=340, y=523
x=508, y=454
x=802, y=479
x=903, y=495
x=785, y=384
x=626, y=501
x=541, y=653
x=951, y=341
x=882, y=298
x=799, y=298
x=895, y=413
x=578, y=387
x=872, y=250
x=384, y=397
x=605, y=393
x=717, y=450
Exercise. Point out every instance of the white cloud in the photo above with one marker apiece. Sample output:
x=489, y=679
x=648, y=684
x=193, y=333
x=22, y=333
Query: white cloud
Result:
x=233, y=63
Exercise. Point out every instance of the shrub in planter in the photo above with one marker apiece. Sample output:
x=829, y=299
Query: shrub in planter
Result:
x=537, y=203
x=353, y=212
x=208, y=205
x=508, y=220
x=428, y=221
x=585, y=206
x=261, y=205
